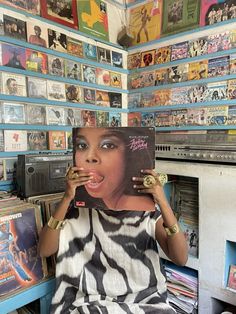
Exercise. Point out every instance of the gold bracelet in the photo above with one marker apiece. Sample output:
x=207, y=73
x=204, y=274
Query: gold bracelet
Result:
x=56, y=224
x=172, y=230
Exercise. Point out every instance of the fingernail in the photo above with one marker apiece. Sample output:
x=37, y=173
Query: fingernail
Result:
x=134, y=186
x=141, y=170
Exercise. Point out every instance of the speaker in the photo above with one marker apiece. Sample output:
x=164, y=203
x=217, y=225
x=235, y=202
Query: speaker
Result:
x=124, y=38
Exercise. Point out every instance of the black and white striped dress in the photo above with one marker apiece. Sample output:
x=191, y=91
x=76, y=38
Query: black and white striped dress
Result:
x=108, y=263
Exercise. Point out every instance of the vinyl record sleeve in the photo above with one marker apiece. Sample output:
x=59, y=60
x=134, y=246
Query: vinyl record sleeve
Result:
x=128, y=150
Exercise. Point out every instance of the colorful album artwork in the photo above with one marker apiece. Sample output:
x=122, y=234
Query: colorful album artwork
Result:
x=145, y=22
x=57, y=41
x=102, y=98
x=37, y=140
x=102, y=119
x=63, y=12
x=15, y=28
x=215, y=11
x=90, y=51
x=37, y=33
x=163, y=55
x=36, y=114
x=56, y=91
x=73, y=70
x=163, y=118
x=36, y=61
x=134, y=100
x=179, y=51
x=147, y=119
x=1, y=24
x=73, y=93
x=93, y=18
x=115, y=119
x=232, y=277
x=217, y=115
x=179, y=16
x=89, y=95
x=56, y=140
x=88, y=118
x=103, y=77
x=134, y=61
x=115, y=79
x=32, y=6
x=75, y=47
x=198, y=47
x=231, y=115
x=148, y=58
x=13, y=56
x=134, y=151
x=104, y=55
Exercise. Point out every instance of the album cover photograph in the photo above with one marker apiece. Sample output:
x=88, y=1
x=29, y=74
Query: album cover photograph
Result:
x=75, y=47
x=216, y=91
x=148, y=78
x=232, y=63
x=217, y=115
x=147, y=99
x=102, y=98
x=232, y=277
x=56, y=140
x=9, y=168
x=63, y=12
x=13, y=113
x=37, y=33
x=90, y=51
x=162, y=97
x=231, y=93
x=56, y=91
x=57, y=41
x=198, y=47
x=89, y=74
x=218, y=66
x=231, y=115
x=103, y=77
x=36, y=114
x=134, y=119
x=163, y=118
x=32, y=6
x=162, y=55
x=147, y=58
x=115, y=100
x=120, y=193
x=1, y=24
x=73, y=70
x=180, y=95
x=14, y=28
x=179, y=51
x=161, y=76
x=147, y=119
x=134, y=61
x=55, y=115
x=115, y=79
x=178, y=73
x=74, y=93
x=56, y=65
x=104, y=55
x=134, y=100
x=36, y=61
x=196, y=93
x=196, y=116
x=13, y=56
x=73, y=116
x=15, y=140
x=115, y=119
x=179, y=117
x=13, y=84
x=37, y=140
x=198, y=70
x=218, y=42
x=37, y=87
x=89, y=95
x=117, y=59
x=102, y=119
x=88, y=118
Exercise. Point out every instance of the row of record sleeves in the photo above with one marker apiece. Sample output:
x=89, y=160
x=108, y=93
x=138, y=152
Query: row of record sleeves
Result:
x=200, y=93
x=34, y=87
x=200, y=116
x=214, y=67
x=32, y=60
x=37, y=33
x=187, y=49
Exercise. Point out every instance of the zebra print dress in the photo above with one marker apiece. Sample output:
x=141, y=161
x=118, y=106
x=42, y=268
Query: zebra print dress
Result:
x=108, y=263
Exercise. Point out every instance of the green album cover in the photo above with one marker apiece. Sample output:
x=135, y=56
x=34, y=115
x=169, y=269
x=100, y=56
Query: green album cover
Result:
x=93, y=18
x=180, y=15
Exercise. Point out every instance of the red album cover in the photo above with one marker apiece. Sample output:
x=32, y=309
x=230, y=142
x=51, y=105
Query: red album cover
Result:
x=20, y=264
x=113, y=156
x=232, y=277
x=63, y=12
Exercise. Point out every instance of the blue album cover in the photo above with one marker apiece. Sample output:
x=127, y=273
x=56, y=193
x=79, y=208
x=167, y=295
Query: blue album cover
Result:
x=90, y=51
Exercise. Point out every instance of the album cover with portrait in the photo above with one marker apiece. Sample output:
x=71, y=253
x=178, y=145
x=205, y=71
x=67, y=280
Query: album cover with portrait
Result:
x=32, y=6
x=13, y=56
x=112, y=156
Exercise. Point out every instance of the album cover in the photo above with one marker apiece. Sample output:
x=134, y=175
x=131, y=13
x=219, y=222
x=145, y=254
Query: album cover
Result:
x=15, y=140
x=93, y=19
x=198, y=47
x=198, y=70
x=89, y=74
x=37, y=87
x=179, y=117
x=218, y=66
x=32, y=6
x=178, y=73
x=134, y=61
x=232, y=64
x=116, y=79
x=102, y=98
x=145, y=22
x=163, y=118
x=73, y=70
x=13, y=56
x=231, y=115
x=73, y=116
x=232, y=277
x=1, y=141
x=117, y=59
x=197, y=116
x=102, y=77
x=13, y=84
x=217, y=115
x=147, y=99
x=73, y=93
x=69, y=142
x=134, y=119
x=161, y=76
x=232, y=38
x=147, y=119
x=56, y=140
x=9, y=168
x=55, y=115
x=134, y=100
x=22, y=266
x=218, y=42
x=2, y=176
x=75, y=47
x=162, y=97
x=104, y=55
x=191, y=233
x=135, y=80
x=179, y=16
x=90, y=51
x=163, y=55
x=179, y=51
x=89, y=95
x=56, y=91
x=215, y=11
x=13, y=27
x=102, y=119
x=36, y=114
x=37, y=33
x=36, y=61
x=63, y=12
x=147, y=58
x=37, y=140
x=216, y=91
x=88, y=118
x=196, y=93
x=138, y=152
x=57, y=41
x=1, y=24
x=115, y=119
x=115, y=100
x=13, y=113
x=56, y=66
x=232, y=89
x=148, y=78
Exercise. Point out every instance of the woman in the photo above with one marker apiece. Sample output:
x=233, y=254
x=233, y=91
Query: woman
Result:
x=107, y=260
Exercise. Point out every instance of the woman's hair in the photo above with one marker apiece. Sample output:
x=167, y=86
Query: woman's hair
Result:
x=139, y=154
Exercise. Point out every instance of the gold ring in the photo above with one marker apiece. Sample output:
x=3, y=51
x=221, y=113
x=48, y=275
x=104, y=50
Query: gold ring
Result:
x=149, y=181
x=163, y=178
x=71, y=174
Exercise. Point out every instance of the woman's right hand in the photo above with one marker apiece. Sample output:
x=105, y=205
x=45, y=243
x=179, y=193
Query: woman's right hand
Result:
x=76, y=177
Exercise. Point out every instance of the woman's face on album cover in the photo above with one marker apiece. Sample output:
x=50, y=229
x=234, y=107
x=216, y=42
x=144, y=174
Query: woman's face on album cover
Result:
x=102, y=153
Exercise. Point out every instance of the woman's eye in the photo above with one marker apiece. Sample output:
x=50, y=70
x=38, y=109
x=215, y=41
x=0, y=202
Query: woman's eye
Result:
x=108, y=146
x=81, y=146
